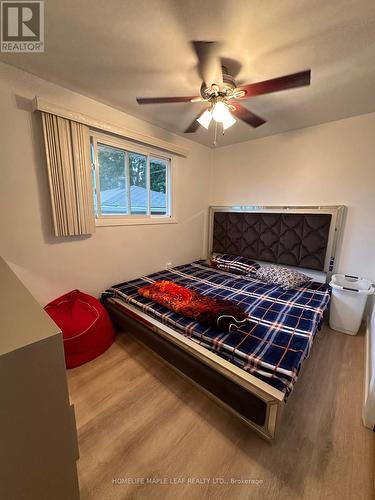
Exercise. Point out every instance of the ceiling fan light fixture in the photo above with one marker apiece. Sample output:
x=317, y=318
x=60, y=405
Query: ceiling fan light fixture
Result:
x=221, y=114
x=205, y=119
x=228, y=121
x=220, y=111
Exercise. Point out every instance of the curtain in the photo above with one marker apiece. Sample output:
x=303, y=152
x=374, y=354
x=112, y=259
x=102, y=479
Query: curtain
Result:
x=67, y=146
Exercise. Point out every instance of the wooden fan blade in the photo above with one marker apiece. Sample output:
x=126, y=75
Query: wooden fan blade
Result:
x=164, y=100
x=292, y=81
x=247, y=116
x=209, y=63
x=194, y=125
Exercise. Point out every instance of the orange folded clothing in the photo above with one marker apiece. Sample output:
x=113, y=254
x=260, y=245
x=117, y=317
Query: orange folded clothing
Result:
x=220, y=314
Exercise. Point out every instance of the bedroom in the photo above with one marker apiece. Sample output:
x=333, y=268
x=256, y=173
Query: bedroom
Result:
x=139, y=422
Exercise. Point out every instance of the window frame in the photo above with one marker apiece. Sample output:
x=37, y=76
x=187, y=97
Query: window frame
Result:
x=130, y=147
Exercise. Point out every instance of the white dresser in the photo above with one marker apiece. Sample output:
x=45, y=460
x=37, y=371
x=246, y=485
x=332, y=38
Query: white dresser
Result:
x=38, y=439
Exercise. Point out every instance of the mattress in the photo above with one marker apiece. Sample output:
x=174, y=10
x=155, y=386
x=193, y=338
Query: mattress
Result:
x=278, y=333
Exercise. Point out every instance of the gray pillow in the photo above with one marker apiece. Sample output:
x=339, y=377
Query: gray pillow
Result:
x=281, y=276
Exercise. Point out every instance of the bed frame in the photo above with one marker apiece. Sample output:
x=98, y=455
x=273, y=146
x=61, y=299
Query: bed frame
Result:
x=255, y=402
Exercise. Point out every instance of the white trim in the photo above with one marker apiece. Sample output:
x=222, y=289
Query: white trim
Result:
x=42, y=105
x=134, y=221
x=131, y=147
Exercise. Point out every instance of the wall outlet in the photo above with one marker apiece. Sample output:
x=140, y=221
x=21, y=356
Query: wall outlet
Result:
x=168, y=265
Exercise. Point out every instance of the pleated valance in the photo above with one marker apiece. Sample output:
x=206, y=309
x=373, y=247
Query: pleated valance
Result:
x=111, y=128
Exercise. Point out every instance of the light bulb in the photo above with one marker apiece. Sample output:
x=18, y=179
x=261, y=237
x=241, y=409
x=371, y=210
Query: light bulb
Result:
x=205, y=119
x=220, y=111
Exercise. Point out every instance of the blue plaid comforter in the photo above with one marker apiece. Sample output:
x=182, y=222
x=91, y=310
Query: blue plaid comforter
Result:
x=279, y=331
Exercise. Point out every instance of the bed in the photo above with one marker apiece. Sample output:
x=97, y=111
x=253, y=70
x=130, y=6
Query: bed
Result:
x=253, y=369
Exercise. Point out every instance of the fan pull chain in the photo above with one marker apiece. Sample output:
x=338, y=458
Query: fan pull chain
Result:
x=215, y=136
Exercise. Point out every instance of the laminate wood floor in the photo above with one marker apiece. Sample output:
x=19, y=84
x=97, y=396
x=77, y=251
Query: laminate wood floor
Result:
x=138, y=422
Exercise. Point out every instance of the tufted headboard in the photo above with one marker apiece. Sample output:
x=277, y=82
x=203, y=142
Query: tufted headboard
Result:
x=295, y=236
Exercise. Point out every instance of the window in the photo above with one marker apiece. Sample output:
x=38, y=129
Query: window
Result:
x=131, y=184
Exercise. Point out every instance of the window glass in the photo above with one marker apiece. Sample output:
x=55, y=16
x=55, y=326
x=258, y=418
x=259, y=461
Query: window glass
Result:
x=138, y=183
x=113, y=182
x=158, y=186
x=92, y=152
x=127, y=183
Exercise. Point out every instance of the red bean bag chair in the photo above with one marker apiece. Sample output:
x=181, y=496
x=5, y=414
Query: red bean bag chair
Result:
x=85, y=325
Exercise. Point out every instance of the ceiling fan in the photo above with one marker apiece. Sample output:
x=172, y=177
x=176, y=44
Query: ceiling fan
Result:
x=219, y=90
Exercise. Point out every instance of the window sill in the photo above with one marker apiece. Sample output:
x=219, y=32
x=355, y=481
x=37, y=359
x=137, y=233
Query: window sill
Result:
x=108, y=222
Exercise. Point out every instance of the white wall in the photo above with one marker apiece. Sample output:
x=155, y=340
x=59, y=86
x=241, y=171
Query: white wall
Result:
x=50, y=266
x=327, y=164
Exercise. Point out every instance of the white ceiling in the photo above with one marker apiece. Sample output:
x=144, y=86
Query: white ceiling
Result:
x=116, y=50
